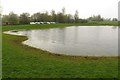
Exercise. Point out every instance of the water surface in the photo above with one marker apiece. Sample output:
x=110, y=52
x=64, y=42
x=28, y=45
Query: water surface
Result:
x=78, y=41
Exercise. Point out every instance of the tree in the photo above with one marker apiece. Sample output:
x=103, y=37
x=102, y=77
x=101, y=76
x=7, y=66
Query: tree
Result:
x=62, y=17
x=13, y=18
x=69, y=18
x=82, y=20
x=63, y=11
x=114, y=19
x=36, y=17
x=76, y=16
x=95, y=18
x=10, y=19
x=24, y=18
x=41, y=17
x=5, y=20
x=46, y=17
x=53, y=16
x=59, y=18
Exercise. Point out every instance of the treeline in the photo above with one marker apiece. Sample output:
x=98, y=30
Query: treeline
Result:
x=59, y=17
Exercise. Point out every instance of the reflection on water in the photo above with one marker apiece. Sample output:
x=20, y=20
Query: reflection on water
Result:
x=80, y=41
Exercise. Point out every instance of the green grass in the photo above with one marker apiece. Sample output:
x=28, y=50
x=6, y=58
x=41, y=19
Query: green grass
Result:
x=43, y=26
x=112, y=23
x=21, y=61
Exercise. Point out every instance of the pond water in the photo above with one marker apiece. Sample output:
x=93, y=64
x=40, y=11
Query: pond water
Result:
x=77, y=41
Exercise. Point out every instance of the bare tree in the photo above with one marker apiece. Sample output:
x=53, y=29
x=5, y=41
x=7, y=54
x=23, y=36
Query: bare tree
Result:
x=76, y=16
x=24, y=18
x=13, y=18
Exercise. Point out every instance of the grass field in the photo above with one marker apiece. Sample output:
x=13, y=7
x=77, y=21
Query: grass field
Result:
x=21, y=61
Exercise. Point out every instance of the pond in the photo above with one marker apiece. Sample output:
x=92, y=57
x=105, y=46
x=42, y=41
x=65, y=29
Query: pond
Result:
x=76, y=41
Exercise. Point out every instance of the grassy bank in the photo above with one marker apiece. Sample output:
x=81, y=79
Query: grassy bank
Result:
x=43, y=26
x=21, y=61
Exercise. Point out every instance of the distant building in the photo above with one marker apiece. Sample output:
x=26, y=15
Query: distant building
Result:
x=42, y=22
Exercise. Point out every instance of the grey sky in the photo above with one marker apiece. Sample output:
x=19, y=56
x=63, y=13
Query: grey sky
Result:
x=86, y=8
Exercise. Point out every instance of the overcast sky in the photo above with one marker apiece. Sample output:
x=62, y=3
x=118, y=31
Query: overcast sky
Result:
x=86, y=8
